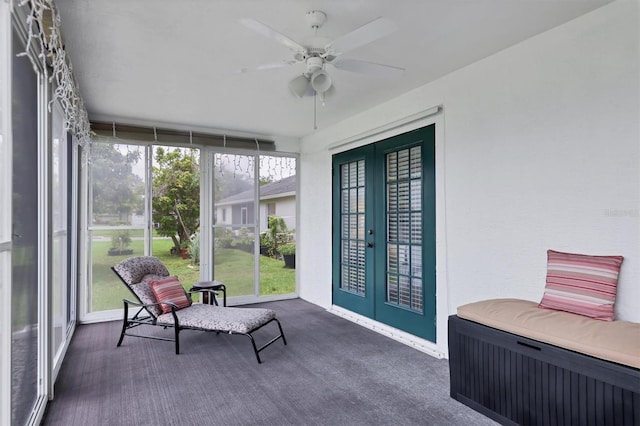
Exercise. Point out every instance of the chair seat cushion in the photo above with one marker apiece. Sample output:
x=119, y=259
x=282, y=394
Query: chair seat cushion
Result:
x=211, y=317
x=133, y=269
x=145, y=293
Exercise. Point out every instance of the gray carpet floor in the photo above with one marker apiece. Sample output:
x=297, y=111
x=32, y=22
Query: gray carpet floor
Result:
x=332, y=372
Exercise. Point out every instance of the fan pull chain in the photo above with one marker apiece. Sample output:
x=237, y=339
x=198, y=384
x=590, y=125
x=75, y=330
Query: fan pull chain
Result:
x=315, y=110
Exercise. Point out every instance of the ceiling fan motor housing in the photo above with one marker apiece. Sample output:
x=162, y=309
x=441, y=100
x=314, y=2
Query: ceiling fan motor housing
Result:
x=316, y=18
x=319, y=51
x=314, y=63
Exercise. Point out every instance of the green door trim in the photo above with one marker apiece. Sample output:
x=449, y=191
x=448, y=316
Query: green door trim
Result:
x=360, y=303
x=423, y=323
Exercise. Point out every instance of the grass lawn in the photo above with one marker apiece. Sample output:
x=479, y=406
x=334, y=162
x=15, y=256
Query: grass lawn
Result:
x=232, y=267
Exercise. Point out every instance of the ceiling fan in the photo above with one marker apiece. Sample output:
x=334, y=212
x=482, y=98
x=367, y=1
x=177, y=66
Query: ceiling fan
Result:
x=317, y=53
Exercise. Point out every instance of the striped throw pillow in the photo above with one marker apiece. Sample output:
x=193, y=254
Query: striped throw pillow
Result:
x=581, y=284
x=170, y=290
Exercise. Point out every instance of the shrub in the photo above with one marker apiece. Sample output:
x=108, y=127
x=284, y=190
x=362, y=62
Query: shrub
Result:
x=224, y=237
x=287, y=249
x=120, y=240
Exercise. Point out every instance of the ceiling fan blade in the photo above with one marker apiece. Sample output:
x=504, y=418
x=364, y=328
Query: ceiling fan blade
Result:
x=269, y=32
x=370, y=68
x=264, y=67
x=274, y=65
x=367, y=33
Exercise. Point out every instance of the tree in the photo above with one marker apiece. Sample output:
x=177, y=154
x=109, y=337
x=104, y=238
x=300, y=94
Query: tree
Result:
x=227, y=182
x=176, y=194
x=264, y=180
x=116, y=189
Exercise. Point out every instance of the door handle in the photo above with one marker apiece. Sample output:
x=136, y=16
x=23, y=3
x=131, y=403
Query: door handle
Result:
x=370, y=245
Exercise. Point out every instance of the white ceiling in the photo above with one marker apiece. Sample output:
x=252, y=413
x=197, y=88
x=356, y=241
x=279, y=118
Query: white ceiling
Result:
x=168, y=62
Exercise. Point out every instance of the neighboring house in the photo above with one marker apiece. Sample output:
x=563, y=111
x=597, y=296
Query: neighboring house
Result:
x=276, y=199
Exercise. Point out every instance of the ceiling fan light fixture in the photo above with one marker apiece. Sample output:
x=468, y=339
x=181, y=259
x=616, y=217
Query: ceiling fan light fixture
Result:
x=327, y=95
x=315, y=81
x=320, y=81
x=299, y=86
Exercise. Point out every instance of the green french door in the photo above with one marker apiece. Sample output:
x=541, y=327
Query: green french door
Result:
x=384, y=231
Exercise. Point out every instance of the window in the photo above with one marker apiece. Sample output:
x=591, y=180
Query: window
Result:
x=243, y=215
x=116, y=228
x=61, y=236
x=129, y=189
x=28, y=331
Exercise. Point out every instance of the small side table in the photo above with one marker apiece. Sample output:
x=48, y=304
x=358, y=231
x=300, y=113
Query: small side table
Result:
x=211, y=285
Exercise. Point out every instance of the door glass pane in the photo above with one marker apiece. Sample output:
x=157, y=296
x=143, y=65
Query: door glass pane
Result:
x=108, y=247
x=277, y=204
x=234, y=222
x=117, y=221
x=404, y=228
x=352, y=215
x=59, y=221
x=25, y=292
x=176, y=211
x=117, y=184
x=74, y=173
x=5, y=187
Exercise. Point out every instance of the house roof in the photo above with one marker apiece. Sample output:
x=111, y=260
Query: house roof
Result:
x=283, y=187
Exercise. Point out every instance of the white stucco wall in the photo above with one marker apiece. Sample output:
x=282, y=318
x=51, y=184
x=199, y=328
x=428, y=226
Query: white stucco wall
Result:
x=538, y=147
x=285, y=208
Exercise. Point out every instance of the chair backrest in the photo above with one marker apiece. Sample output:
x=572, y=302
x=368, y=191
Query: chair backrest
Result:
x=137, y=273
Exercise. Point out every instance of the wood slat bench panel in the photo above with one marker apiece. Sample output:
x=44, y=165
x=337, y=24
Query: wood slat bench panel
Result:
x=516, y=380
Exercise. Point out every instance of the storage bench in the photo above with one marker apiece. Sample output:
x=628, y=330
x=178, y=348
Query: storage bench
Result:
x=519, y=364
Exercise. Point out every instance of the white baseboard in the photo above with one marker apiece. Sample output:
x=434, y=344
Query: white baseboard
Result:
x=422, y=345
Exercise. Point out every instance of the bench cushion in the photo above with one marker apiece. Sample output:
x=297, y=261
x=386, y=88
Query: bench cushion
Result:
x=616, y=341
x=211, y=317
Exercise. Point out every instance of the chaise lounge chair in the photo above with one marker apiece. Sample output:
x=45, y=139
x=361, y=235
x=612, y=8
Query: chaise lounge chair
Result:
x=162, y=301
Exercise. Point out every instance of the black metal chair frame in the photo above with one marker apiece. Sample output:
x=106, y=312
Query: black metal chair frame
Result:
x=139, y=319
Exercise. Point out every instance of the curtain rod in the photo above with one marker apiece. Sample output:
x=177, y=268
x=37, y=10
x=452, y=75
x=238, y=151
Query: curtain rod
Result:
x=156, y=134
x=385, y=127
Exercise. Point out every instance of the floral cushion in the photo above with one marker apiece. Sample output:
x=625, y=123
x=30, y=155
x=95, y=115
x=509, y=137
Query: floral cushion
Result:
x=138, y=272
x=170, y=290
x=133, y=269
x=210, y=317
x=145, y=293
